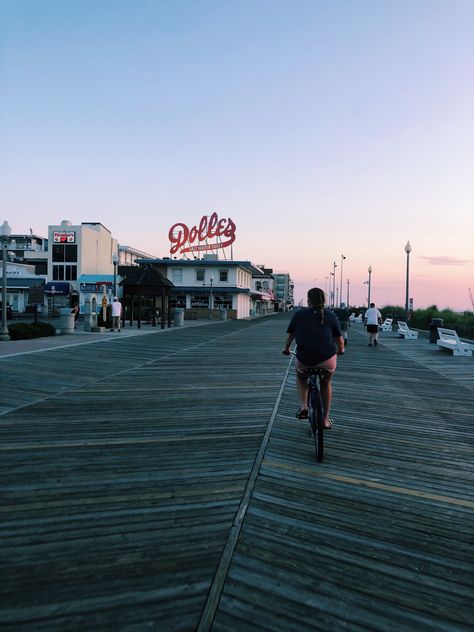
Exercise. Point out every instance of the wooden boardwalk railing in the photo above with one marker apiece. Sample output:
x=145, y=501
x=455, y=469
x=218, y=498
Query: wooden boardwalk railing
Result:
x=162, y=482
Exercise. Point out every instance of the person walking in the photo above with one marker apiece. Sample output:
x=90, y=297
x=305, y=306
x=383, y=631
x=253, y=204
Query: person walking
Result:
x=116, y=314
x=318, y=338
x=343, y=317
x=372, y=319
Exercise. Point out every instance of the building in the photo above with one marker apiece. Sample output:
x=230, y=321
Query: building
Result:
x=26, y=268
x=83, y=260
x=21, y=280
x=210, y=283
x=283, y=289
x=263, y=299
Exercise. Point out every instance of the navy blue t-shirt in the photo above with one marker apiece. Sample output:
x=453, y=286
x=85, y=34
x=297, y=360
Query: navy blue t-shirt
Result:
x=314, y=339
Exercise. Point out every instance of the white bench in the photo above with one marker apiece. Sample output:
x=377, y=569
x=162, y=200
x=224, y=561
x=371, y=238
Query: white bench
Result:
x=405, y=332
x=387, y=324
x=449, y=339
x=352, y=317
x=358, y=319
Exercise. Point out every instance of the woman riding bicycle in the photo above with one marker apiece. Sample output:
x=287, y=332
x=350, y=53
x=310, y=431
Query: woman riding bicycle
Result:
x=318, y=338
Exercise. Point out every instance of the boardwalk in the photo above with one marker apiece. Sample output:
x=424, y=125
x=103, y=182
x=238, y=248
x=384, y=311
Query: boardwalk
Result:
x=161, y=482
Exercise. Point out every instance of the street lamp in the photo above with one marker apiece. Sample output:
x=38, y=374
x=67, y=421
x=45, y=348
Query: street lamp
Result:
x=211, y=281
x=4, y=335
x=330, y=291
x=115, y=262
x=369, y=270
x=334, y=266
x=5, y=233
x=347, y=304
x=407, y=250
x=340, y=287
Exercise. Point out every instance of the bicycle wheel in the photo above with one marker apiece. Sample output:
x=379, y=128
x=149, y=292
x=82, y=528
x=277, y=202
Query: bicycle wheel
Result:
x=317, y=425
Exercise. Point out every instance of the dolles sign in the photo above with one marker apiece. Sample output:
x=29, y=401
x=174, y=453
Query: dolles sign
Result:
x=183, y=239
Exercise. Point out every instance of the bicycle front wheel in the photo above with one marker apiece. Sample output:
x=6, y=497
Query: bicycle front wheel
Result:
x=317, y=425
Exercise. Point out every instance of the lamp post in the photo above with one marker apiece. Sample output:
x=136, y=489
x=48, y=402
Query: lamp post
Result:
x=334, y=266
x=347, y=304
x=211, y=281
x=340, y=287
x=329, y=290
x=407, y=250
x=4, y=335
x=115, y=262
x=369, y=270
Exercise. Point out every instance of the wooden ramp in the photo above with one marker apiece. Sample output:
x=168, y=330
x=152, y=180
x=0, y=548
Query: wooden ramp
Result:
x=164, y=484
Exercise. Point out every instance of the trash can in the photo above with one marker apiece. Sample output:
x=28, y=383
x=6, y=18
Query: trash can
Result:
x=178, y=317
x=435, y=323
x=222, y=313
x=66, y=321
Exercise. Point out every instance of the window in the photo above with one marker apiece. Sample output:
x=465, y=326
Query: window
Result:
x=200, y=275
x=200, y=301
x=70, y=273
x=64, y=273
x=64, y=252
x=223, y=300
x=177, y=274
x=223, y=275
x=178, y=300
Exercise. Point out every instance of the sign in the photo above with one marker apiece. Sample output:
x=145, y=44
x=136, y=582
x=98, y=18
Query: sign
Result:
x=64, y=236
x=183, y=239
x=95, y=286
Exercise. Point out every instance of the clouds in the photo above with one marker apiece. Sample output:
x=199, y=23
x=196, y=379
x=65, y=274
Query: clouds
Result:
x=447, y=261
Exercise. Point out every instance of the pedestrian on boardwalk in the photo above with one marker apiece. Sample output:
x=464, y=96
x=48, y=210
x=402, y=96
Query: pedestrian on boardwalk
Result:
x=318, y=338
x=343, y=317
x=373, y=319
x=75, y=310
x=116, y=314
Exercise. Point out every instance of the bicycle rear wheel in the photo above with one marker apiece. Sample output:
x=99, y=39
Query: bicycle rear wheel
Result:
x=316, y=419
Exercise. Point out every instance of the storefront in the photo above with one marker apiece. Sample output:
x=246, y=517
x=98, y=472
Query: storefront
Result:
x=57, y=295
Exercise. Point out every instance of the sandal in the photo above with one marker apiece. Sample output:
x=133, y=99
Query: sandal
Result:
x=331, y=423
x=302, y=414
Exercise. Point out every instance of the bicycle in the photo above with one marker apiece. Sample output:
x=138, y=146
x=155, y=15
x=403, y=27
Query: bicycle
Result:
x=315, y=408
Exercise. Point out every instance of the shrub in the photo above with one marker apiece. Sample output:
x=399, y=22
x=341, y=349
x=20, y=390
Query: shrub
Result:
x=27, y=331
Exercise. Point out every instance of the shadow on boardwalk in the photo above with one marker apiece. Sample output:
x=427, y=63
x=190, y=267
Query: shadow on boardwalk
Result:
x=162, y=482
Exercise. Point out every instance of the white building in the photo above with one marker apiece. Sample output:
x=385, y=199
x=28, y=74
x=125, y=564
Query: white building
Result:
x=82, y=260
x=21, y=279
x=209, y=283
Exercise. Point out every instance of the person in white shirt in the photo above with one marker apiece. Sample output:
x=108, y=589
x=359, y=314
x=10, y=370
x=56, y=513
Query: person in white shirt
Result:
x=372, y=319
x=116, y=314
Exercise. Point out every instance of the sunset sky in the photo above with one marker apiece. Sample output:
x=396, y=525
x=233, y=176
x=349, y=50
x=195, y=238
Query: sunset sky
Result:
x=320, y=127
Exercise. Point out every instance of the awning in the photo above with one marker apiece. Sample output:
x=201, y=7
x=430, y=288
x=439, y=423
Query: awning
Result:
x=57, y=288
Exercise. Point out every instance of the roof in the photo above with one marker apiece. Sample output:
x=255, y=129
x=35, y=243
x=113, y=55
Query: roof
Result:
x=25, y=282
x=146, y=275
x=216, y=289
x=206, y=263
x=93, y=278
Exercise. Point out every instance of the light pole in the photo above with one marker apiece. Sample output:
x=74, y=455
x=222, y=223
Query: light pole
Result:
x=334, y=266
x=340, y=287
x=211, y=280
x=4, y=335
x=407, y=250
x=115, y=262
x=369, y=270
x=329, y=290
x=347, y=304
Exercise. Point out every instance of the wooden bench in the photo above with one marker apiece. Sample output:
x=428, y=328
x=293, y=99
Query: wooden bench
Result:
x=405, y=332
x=387, y=324
x=449, y=339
